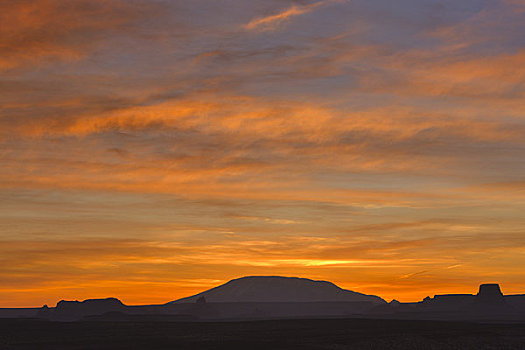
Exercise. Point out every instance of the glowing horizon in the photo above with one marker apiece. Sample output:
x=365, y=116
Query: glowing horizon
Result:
x=154, y=149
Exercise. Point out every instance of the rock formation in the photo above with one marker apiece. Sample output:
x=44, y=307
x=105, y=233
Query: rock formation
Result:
x=490, y=294
x=279, y=289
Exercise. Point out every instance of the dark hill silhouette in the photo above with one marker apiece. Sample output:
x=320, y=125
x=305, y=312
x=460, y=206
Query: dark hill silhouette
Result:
x=272, y=289
x=490, y=293
x=489, y=304
x=72, y=310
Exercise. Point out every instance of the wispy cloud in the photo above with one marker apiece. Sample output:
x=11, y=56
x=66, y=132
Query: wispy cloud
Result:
x=272, y=22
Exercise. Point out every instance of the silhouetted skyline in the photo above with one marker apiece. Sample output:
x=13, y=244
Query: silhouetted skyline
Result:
x=278, y=297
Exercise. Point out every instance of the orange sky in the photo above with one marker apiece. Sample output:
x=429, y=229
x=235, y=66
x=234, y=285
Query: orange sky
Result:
x=152, y=149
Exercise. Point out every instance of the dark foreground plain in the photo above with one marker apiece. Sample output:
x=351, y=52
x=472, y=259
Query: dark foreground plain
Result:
x=272, y=334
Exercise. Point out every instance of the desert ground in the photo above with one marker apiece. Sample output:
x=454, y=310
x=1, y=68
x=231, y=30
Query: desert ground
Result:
x=274, y=334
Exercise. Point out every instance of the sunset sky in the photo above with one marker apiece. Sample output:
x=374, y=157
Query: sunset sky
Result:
x=153, y=149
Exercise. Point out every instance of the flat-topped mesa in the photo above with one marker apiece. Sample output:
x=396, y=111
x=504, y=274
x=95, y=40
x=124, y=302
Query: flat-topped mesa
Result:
x=490, y=293
x=73, y=310
x=278, y=289
x=89, y=304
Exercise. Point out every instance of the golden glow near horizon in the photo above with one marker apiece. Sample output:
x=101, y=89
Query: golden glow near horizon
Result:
x=150, y=150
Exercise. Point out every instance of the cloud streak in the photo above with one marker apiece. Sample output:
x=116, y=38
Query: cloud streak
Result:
x=272, y=22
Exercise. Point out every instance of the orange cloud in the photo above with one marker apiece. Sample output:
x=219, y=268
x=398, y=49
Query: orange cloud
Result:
x=33, y=32
x=208, y=142
x=272, y=22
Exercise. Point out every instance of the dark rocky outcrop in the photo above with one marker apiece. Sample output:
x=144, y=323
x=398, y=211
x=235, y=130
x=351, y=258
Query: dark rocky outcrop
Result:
x=490, y=293
x=44, y=312
x=73, y=310
x=488, y=304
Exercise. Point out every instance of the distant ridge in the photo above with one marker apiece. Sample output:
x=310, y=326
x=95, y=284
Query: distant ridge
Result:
x=273, y=297
x=70, y=310
x=279, y=289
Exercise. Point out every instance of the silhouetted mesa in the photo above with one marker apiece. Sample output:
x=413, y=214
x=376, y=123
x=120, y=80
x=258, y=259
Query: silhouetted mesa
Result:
x=276, y=297
x=275, y=289
x=74, y=310
x=490, y=293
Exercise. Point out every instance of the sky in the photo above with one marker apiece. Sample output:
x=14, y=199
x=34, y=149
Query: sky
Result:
x=150, y=150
